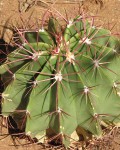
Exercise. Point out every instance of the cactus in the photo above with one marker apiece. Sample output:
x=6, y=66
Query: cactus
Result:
x=63, y=79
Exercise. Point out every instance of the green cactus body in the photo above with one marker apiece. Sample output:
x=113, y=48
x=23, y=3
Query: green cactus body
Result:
x=55, y=88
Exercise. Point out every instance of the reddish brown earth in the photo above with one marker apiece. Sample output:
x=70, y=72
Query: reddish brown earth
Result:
x=109, y=15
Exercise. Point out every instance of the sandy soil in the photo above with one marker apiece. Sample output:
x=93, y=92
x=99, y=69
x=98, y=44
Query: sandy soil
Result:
x=10, y=14
x=109, y=15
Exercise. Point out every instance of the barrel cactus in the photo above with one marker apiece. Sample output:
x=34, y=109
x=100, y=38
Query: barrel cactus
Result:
x=60, y=80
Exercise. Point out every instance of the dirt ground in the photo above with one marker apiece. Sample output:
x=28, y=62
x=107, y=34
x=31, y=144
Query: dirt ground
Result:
x=12, y=10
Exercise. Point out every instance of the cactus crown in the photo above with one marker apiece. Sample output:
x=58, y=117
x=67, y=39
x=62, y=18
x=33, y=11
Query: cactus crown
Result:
x=59, y=80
